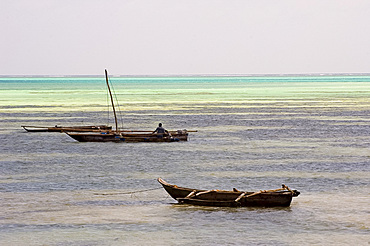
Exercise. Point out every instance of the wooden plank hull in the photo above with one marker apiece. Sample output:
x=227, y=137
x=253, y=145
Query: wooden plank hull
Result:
x=128, y=137
x=222, y=198
x=67, y=128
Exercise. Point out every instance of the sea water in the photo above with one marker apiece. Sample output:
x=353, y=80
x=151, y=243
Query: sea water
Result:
x=311, y=133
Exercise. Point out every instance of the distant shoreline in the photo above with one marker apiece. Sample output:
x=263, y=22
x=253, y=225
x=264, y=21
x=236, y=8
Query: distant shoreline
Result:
x=187, y=76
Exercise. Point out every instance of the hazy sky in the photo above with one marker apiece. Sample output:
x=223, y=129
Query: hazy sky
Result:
x=132, y=37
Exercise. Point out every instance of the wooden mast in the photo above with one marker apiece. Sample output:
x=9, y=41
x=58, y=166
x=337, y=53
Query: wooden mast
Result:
x=111, y=99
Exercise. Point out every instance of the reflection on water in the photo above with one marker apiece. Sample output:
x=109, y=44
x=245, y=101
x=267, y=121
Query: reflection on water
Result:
x=252, y=135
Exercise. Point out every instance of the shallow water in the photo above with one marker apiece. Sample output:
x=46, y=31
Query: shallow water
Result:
x=310, y=133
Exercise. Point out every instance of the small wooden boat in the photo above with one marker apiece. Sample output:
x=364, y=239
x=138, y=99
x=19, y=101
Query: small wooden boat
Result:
x=118, y=135
x=122, y=136
x=67, y=128
x=281, y=197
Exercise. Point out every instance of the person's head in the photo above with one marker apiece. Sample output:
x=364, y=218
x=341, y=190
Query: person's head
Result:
x=160, y=124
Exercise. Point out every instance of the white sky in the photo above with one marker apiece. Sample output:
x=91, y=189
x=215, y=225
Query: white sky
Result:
x=171, y=37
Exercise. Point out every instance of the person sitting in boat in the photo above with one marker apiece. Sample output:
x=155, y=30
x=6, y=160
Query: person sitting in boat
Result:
x=161, y=132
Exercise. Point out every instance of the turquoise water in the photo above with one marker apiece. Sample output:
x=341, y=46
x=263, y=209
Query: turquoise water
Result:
x=310, y=133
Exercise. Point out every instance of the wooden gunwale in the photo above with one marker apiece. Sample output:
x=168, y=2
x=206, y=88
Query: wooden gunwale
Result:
x=99, y=128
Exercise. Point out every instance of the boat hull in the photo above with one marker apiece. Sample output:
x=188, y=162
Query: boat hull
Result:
x=221, y=198
x=128, y=137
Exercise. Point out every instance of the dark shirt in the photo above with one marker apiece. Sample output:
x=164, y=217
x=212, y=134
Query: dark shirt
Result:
x=160, y=130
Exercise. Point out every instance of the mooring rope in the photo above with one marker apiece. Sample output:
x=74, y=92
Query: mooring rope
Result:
x=126, y=193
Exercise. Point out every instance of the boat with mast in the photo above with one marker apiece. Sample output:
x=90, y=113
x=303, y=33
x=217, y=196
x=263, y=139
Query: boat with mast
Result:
x=118, y=135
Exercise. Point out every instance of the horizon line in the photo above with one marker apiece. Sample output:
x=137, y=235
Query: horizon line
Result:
x=186, y=75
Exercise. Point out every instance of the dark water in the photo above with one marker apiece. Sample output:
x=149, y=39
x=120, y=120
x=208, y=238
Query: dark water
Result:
x=310, y=133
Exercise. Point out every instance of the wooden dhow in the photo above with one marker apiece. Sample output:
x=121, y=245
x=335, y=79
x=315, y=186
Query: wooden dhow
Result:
x=118, y=135
x=281, y=197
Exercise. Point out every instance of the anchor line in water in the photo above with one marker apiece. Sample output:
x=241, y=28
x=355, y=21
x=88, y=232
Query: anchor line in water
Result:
x=126, y=193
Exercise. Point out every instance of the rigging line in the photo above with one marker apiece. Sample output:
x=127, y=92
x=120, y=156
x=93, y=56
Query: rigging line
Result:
x=126, y=193
x=119, y=110
x=117, y=102
x=108, y=107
